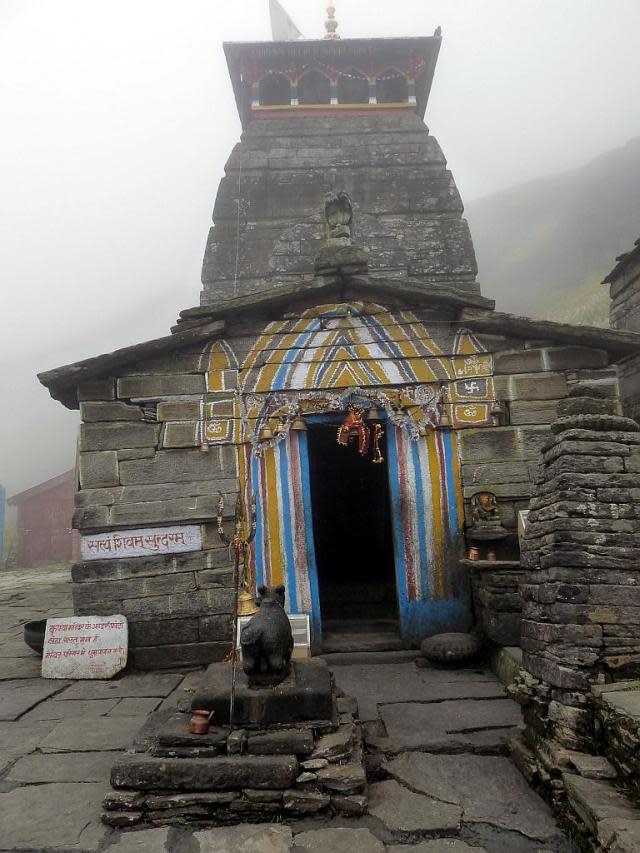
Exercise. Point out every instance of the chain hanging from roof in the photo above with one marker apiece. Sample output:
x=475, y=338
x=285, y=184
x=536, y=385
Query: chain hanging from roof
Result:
x=331, y=25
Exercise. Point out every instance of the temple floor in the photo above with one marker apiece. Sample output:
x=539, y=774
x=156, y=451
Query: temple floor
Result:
x=440, y=778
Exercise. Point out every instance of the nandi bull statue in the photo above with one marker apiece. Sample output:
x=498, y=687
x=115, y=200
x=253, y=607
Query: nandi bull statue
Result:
x=267, y=641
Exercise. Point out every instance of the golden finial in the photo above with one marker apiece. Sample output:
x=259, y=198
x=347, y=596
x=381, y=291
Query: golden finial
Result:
x=331, y=25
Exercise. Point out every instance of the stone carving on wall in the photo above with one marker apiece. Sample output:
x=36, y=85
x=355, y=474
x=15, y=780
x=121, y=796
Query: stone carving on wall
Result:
x=485, y=515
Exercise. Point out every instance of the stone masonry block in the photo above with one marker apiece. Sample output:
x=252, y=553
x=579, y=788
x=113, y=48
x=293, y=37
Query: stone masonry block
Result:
x=566, y=358
x=486, y=473
x=87, y=595
x=519, y=361
x=184, y=510
x=181, y=434
x=97, y=389
x=180, y=466
x=150, y=387
x=203, y=602
x=113, y=436
x=538, y=386
x=91, y=518
x=163, y=632
x=478, y=445
x=98, y=470
x=215, y=628
x=109, y=411
x=181, y=411
x=186, y=655
x=533, y=412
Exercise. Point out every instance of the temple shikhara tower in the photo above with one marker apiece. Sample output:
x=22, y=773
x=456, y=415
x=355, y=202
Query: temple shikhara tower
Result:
x=344, y=385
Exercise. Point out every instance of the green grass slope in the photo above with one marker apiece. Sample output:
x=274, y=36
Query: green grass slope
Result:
x=544, y=247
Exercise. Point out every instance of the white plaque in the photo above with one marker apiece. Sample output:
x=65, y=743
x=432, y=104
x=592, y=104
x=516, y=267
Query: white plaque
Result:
x=85, y=647
x=146, y=542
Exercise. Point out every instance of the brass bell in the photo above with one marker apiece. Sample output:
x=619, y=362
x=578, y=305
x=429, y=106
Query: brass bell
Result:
x=445, y=419
x=266, y=433
x=204, y=447
x=299, y=424
x=246, y=603
x=373, y=414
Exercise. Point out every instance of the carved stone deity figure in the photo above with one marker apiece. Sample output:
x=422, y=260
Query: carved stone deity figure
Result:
x=266, y=640
x=338, y=213
x=486, y=518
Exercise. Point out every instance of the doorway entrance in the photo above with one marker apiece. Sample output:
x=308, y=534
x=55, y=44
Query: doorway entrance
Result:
x=353, y=538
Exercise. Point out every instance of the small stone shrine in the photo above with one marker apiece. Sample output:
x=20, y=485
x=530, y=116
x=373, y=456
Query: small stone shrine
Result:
x=581, y=590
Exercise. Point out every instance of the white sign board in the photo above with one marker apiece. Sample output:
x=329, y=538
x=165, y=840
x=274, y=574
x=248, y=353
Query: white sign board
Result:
x=85, y=647
x=146, y=542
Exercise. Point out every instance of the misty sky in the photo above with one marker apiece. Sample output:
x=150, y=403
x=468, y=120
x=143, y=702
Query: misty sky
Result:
x=117, y=118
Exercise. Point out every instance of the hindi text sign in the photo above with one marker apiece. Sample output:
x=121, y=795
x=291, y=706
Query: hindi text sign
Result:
x=146, y=542
x=85, y=647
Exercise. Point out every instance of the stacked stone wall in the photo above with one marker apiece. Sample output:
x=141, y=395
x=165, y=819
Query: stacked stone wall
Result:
x=140, y=466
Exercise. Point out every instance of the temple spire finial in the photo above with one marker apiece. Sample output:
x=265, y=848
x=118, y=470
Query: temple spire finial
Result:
x=331, y=25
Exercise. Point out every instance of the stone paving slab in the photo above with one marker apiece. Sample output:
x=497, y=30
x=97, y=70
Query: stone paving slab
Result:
x=11, y=668
x=63, y=767
x=449, y=725
x=73, y=709
x=624, y=702
x=56, y=817
x=134, y=707
x=17, y=697
x=437, y=845
x=403, y=811
x=153, y=840
x=248, y=838
x=139, y=685
x=338, y=840
x=377, y=684
x=490, y=789
x=19, y=738
x=99, y=734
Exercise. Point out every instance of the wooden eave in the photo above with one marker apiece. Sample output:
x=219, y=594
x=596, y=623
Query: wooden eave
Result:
x=328, y=50
x=62, y=382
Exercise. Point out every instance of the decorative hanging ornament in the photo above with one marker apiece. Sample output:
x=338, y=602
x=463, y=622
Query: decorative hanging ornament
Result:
x=353, y=427
x=376, y=434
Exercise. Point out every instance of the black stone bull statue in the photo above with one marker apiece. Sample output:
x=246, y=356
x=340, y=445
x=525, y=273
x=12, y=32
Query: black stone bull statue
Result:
x=266, y=640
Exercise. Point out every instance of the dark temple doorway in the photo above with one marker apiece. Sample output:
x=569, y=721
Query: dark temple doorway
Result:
x=353, y=544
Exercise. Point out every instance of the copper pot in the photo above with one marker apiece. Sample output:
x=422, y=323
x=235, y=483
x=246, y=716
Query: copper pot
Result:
x=474, y=553
x=200, y=722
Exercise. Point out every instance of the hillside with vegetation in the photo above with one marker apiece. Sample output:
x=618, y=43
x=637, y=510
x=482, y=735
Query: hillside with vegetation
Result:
x=544, y=247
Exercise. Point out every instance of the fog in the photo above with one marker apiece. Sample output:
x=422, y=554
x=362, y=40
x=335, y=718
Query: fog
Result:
x=117, y=118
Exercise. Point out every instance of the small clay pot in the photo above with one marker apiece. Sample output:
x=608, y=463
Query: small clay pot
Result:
x=491, y=555
x=200, y=722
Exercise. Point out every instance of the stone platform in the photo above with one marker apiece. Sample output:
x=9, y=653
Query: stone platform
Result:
x=295, y=749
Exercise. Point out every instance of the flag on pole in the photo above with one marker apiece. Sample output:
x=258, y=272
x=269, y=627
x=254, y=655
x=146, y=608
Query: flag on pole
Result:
x=282, y=26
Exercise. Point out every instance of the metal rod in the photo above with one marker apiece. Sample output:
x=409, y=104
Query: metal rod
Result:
x=234, y=650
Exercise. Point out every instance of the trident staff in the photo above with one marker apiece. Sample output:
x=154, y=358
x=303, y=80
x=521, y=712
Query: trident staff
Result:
x=239, y=543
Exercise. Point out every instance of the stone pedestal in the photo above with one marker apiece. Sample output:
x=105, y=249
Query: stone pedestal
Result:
x=295, y=749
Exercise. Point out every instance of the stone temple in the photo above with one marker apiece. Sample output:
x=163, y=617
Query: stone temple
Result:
x=343, y=374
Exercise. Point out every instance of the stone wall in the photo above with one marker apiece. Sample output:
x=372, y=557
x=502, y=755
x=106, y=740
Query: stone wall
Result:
x=140, y=466
x=624, y=313
x=395, y=174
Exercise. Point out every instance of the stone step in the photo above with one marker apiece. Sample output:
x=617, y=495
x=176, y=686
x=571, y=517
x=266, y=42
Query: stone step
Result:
x=364, y=658
x=147, y=773
x=367, y=641
x=604, y=809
